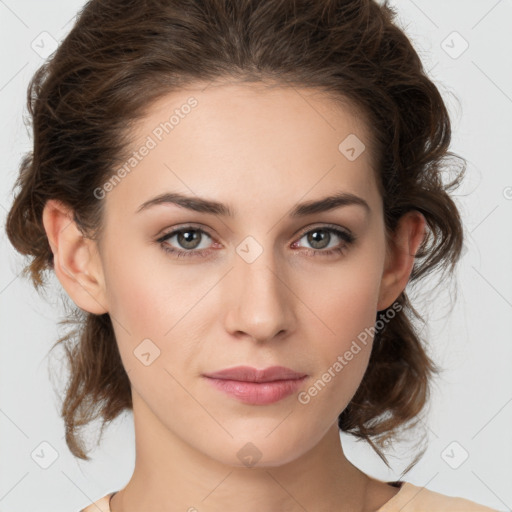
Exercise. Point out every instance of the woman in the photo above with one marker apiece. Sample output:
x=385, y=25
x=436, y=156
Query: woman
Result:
x=235, y=195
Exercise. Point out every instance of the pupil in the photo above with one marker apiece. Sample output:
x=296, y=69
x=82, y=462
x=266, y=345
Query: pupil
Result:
x=187, y=239
x=317, y=236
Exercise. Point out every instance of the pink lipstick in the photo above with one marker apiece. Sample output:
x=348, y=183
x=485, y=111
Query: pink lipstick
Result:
x=257, y=387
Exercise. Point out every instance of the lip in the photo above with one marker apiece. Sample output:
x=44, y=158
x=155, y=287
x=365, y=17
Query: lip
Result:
x=250, y=374
x=257, y=387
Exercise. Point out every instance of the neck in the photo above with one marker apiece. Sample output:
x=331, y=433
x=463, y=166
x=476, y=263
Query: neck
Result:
x=170, y=474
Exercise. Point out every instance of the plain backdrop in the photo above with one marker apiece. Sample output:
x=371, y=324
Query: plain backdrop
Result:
x=466, y=47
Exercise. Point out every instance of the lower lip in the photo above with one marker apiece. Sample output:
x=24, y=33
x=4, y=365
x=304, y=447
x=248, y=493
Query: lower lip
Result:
x=258, y=393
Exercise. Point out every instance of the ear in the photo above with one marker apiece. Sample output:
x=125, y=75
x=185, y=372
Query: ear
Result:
x=404, y=244
x=76, y=259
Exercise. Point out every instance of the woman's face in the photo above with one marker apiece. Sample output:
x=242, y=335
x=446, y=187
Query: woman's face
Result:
x=259, y=287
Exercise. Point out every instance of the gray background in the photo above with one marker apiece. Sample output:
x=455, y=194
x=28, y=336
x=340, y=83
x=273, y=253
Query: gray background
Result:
x=471, y=410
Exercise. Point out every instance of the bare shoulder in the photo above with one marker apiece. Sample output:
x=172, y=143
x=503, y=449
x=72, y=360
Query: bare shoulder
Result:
x=379, y=493
x=413, y=498
x=101, y=505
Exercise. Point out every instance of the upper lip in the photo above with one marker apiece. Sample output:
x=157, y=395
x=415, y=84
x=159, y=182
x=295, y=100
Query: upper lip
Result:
x=250, y=374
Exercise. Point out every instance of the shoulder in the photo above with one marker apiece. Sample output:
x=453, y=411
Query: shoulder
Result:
x=101, y=505
x=413, y=498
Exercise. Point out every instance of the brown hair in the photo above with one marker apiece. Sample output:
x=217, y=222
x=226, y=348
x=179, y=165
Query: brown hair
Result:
x=123, y=55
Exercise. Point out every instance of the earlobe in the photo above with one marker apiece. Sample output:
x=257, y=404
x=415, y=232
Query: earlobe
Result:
x=76, y=261
x=399, y=263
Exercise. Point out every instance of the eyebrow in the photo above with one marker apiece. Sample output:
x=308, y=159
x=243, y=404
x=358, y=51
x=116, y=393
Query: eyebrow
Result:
x=212, y=207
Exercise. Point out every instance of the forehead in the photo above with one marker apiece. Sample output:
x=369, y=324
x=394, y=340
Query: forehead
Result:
x=241, y=139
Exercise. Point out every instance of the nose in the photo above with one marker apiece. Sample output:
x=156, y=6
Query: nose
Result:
x=261, y=303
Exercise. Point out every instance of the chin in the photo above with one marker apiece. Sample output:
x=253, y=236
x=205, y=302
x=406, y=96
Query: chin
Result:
x=260, y=452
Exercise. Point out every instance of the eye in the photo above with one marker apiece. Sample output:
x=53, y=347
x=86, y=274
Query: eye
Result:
x=320, y=238
x=190, y=238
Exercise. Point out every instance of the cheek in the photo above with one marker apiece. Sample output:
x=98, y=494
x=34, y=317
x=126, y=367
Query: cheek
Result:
x=136, y=305
x=344, y=297
x=145, y=297
x=135, y=300
x=344, y=302
x=154, y=308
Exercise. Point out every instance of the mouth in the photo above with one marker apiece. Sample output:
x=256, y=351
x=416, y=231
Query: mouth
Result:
x=250, y=374
x=257, y=387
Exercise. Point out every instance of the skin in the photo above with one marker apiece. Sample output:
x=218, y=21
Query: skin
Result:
x=261, y=151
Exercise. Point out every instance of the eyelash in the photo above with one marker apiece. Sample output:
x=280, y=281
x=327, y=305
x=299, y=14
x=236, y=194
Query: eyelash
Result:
x=347, y=237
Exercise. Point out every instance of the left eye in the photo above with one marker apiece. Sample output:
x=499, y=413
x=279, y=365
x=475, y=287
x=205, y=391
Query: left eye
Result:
x=190, y=238
x=322, y=236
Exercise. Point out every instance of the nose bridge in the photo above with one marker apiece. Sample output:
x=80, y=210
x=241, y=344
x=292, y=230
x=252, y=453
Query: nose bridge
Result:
x=260, y=304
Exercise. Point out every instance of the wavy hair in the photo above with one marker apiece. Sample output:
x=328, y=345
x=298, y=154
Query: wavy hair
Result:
x=121, y=56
